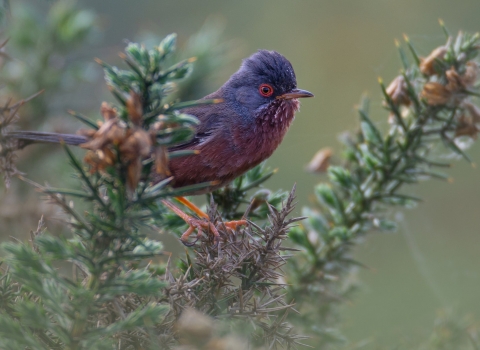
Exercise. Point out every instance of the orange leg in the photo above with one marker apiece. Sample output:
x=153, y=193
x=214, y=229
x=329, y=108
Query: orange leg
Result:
x=199, y=224
x=192, y=207
x=234, y=224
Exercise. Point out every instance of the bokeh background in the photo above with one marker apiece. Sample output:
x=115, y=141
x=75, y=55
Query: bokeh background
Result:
x=338, y=49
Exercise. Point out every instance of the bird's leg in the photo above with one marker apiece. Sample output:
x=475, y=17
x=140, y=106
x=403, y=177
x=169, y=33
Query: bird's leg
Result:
x=192, y=207
x=193, y=223
x=229, y=224
x=201, y=224
x=234, y=224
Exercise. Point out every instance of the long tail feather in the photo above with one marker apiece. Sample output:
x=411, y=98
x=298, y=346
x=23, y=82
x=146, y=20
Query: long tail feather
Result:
x=47, y=137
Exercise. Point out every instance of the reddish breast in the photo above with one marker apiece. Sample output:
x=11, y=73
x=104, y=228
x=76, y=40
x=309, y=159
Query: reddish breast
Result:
x=237, y=150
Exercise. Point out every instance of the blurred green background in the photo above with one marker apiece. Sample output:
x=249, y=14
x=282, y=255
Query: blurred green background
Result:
x=338, y=49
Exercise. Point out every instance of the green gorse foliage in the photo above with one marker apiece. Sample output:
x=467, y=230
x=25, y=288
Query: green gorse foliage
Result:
x=65, y=29
x=429, y=105
x=105, y=284
x=114, y=297
x=74, y=311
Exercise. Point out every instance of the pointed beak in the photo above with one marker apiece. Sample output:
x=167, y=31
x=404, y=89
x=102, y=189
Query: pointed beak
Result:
x=295, y=93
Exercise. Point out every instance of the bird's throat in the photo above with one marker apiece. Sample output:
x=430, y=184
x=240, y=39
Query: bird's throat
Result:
x=271, y=126
x=274, y=120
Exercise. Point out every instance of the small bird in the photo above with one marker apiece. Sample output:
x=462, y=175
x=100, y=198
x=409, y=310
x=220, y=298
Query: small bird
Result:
x=259, y=104
x=260, y=101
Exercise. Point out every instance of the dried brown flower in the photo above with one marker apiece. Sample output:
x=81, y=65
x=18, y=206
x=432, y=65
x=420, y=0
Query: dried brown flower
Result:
x=89, y=133
x=436, y=94
x=108, y=112
x=473, y=110
x=427, y=64
x=134, y=172
x=132, y=144
x=455, y=81
x=161, y=161
x=320, y=161
x=134, y=108
x=99, y=159
x=466, y=127
x=470, y=76
x=397, y=90
x=112, y=132
x=133, y=149
x=96, y=164
x=136, y=144
x=468, y=122
x=100, y=153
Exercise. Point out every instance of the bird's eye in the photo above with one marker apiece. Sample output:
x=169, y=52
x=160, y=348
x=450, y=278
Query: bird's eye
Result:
x=265, y=90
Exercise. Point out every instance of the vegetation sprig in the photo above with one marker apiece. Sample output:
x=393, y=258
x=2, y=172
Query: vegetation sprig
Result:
x=430, y=104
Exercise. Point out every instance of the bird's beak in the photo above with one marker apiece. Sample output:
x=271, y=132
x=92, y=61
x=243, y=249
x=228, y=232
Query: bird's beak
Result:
x=295, y=93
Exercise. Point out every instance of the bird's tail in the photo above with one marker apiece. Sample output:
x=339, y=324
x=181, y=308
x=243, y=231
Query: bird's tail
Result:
x=29, y=137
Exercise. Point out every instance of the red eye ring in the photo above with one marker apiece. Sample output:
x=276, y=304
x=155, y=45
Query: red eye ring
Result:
x=265, y=90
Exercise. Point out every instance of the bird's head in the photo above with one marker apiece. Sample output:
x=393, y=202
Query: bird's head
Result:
x=264, y=83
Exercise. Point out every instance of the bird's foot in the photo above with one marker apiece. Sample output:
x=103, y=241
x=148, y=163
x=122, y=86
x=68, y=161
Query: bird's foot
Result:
x=201, y=225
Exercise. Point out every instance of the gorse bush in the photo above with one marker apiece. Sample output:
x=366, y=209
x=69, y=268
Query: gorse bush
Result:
x=108, y=251
x=429, y=104
x=47, y=54
x=105, y=283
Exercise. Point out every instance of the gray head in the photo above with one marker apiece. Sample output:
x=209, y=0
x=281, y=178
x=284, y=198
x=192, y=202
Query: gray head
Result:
x=262, y=80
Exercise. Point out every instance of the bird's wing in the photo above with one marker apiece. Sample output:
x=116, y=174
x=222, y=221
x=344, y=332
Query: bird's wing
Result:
x=193, y=143
x=209, y=116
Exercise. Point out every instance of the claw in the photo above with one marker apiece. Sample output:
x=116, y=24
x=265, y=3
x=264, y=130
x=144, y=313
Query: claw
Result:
x=189, y=244
x=200, y=225
x=186, y=234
